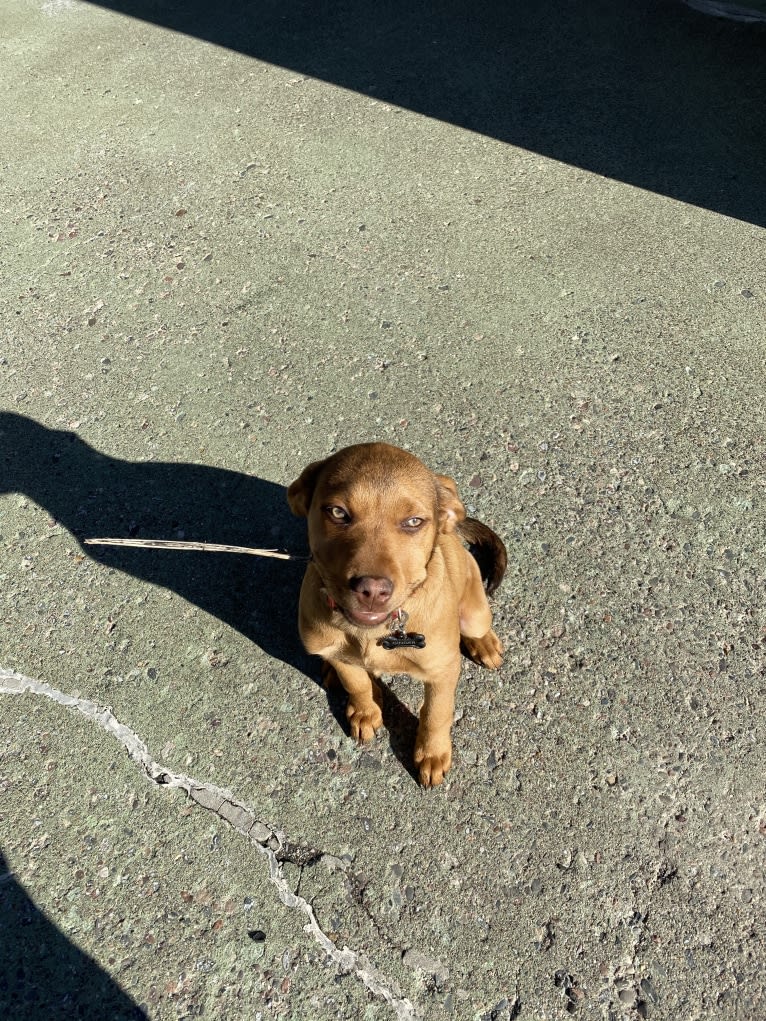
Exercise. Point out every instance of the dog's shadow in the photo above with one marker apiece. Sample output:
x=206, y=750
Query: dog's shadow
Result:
x=400, y=722
x=94, y=495
x=402, y=726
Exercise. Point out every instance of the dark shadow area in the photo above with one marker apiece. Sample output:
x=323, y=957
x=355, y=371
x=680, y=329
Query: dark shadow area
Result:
x=94, y=496
x=649, y=92
x=402, y=726
x=43, y=976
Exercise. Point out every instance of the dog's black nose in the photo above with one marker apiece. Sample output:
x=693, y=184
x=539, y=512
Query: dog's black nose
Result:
x=373, y=591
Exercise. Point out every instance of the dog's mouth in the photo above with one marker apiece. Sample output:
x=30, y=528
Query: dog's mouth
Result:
x=359, y=618
x=365, y=618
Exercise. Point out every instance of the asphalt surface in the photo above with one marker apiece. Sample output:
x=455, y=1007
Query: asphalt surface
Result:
x=526, y=243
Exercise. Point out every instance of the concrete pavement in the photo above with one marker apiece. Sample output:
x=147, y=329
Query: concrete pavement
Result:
x=234, y=239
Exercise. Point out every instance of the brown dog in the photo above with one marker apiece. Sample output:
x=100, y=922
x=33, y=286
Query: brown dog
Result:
x=384, y=537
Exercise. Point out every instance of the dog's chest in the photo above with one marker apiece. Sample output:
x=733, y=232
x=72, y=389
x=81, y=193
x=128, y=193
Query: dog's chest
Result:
x=369, y=653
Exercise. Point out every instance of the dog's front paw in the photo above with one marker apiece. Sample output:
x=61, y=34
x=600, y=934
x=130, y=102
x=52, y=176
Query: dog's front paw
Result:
x=487, y=650
x=364, y=720
x=433, y=762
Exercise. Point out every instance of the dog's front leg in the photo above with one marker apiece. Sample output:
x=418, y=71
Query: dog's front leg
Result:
x=433, y=744
x=363, y=710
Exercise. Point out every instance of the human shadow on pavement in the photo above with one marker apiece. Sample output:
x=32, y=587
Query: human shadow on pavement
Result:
x=94, y=495
x=45, y=976
x=649, y=93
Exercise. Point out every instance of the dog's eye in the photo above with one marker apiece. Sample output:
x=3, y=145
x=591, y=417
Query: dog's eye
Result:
x=412, y=524
x=339, y=514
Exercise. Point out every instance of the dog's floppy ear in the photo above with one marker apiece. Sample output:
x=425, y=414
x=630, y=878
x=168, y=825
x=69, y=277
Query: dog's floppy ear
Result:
x=300, y=492
x=451, y=509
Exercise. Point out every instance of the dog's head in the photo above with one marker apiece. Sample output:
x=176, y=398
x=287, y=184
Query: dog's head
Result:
x=374, y=516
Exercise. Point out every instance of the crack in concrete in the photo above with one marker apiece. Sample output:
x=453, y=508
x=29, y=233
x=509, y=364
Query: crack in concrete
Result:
x=270, y=842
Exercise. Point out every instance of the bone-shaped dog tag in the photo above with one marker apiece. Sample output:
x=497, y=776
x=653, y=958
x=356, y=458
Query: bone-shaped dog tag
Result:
x=402, y=640
x=399, y=638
